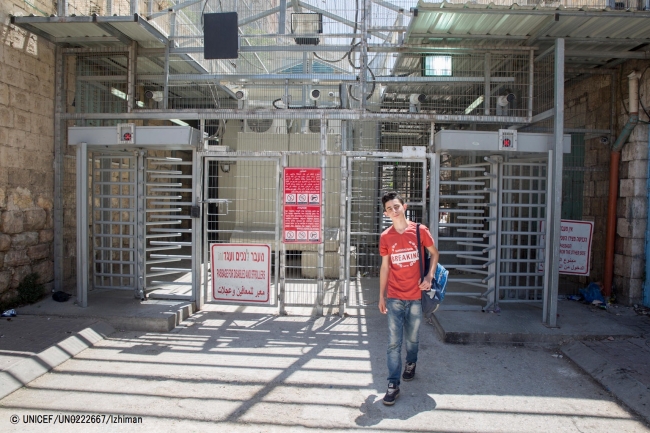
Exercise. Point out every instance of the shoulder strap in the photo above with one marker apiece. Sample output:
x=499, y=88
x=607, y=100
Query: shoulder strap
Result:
x=421, y=262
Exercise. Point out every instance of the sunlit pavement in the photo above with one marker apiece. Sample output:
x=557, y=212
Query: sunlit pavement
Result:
x=259, y=372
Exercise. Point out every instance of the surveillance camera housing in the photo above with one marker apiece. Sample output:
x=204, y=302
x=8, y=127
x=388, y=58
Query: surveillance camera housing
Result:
x=241, y=94
x=417, y=98
x=314, y=95
x=156, y=95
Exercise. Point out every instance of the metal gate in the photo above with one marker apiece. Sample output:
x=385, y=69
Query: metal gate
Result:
x=168, y=198
x=490, y=229
x=485, y=213
x=467, y=215
x=241, y=205
x=141, y=223
x=114, y=221
x=522, y=212
x=368, y=178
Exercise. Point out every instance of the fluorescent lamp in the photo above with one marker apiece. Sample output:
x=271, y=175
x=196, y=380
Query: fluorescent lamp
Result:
x=474, y=104
x=120, y=94
x=179, y=122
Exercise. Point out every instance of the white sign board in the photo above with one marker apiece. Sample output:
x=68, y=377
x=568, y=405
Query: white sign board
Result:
x=575, y=246
x=241, y=272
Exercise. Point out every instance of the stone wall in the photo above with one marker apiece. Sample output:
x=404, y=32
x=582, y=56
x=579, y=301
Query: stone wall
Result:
x=26, y=149
x=632, y=206
x=588, y=106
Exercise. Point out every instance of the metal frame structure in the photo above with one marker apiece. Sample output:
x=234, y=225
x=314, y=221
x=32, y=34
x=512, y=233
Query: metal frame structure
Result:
x=523, y=51
x=135, y=219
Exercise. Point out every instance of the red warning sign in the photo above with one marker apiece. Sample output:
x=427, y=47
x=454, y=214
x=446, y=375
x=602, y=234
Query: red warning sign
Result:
x=302, y=206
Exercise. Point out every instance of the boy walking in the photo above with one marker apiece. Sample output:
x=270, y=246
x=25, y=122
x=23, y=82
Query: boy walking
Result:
x=400, y=288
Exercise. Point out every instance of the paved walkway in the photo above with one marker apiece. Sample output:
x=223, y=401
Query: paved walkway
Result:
x=238, y=371
x=619, y=364
x=25, y=336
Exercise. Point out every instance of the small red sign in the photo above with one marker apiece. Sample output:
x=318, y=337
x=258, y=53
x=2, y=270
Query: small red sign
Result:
x=302, y=205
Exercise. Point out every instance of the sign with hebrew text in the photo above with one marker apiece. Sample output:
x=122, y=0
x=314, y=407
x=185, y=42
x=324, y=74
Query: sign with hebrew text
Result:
x=241, y=272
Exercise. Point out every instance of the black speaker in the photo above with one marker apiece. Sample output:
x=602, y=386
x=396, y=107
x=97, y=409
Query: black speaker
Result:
x=220, y=37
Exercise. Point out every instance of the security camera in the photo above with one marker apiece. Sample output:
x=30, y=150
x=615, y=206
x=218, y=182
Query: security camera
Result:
x=604, y=140
x=417, y=98
x=314, y=95
x=241, y=94
x=156, y=95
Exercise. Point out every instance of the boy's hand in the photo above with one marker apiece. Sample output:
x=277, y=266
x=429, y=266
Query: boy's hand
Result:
x=382, y=305
x=425, y=284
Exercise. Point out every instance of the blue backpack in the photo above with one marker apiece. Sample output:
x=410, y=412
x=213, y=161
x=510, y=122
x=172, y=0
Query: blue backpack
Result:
x=431, y=298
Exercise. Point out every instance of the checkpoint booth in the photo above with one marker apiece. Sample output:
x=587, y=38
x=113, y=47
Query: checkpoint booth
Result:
x=137, y=213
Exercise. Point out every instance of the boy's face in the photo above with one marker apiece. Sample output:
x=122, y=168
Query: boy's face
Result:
x=394, y=209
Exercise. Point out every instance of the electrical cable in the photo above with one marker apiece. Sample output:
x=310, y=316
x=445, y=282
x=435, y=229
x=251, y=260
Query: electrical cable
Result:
x=372, y=91
x=356, y=20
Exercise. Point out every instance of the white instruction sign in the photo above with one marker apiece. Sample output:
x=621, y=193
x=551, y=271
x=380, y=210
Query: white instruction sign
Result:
x=575, y=246
x=241, y=272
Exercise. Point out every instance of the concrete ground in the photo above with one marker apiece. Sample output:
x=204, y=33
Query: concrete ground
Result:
x=234, y=369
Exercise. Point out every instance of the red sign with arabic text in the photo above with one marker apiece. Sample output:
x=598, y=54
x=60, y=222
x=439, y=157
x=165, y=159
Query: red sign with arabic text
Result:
x=302, y=206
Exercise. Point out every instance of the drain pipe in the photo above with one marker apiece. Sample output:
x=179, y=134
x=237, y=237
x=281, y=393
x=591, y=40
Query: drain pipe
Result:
x=646, y=283
x=615, y=158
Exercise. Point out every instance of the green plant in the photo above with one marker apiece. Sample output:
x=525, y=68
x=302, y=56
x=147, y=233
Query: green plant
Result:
x=30, y=290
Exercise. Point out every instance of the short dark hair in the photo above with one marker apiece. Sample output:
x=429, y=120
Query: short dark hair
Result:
x=391, y=195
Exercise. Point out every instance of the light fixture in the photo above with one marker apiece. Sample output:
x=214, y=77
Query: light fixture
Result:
x=179, y=122
x=225, y=167
x=306, y=27
x=478, y=101
x=122, y=95
x=436, y=65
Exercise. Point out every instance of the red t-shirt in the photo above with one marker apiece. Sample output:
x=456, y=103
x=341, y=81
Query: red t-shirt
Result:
x=404, y=275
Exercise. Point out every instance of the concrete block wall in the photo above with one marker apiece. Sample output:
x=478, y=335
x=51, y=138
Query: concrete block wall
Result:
x=26, y=149
x=589, y=102
x=587, y=106
x=632, y=205
x=632, y=214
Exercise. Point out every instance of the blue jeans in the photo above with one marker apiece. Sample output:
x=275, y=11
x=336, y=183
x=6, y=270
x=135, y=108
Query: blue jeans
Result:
x=404, y=318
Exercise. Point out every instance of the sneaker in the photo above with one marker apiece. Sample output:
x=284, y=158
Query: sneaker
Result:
x=391, y=394
x=409, y=371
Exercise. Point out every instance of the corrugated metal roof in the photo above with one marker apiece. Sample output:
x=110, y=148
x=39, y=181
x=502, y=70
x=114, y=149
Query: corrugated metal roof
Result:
x=584, y=30
x=93, y=31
